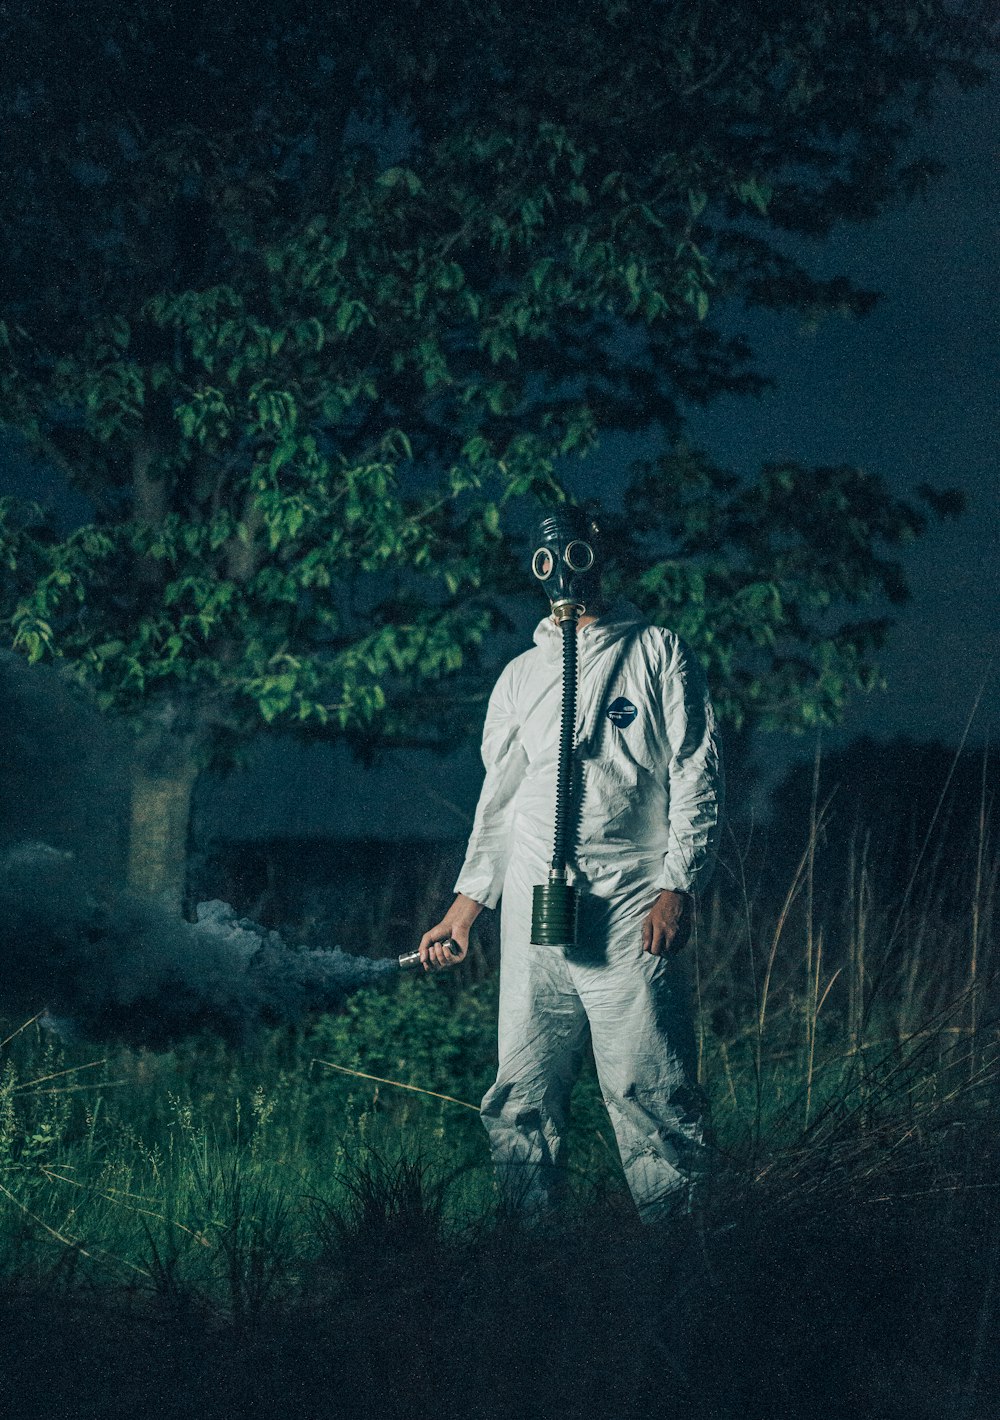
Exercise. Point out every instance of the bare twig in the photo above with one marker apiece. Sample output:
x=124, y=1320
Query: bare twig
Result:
x=380, y=1080
x=17, y=1032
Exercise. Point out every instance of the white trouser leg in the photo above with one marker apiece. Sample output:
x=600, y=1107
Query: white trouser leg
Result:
x=639, y=1014
x=542, y=1033
x=641, y=1026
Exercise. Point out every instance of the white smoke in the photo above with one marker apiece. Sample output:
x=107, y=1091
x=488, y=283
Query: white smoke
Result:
x=123, y=967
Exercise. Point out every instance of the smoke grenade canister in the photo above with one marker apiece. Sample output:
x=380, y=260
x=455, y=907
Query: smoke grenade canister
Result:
x=412, y=959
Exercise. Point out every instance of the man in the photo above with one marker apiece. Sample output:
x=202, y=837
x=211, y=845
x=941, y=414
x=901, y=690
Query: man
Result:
x=645, y=806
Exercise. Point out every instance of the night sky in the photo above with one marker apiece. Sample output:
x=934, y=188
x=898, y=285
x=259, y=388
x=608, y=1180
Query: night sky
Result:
x=910, y=391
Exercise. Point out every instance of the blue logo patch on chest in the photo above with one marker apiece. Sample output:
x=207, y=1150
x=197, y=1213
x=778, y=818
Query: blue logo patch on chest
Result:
x=622, y=712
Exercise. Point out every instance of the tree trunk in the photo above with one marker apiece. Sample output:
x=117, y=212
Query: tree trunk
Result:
x=163, y=775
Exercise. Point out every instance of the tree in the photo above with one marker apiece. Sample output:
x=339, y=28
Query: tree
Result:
x=305, y=299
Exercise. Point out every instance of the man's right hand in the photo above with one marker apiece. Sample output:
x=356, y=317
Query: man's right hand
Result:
x=454, y=926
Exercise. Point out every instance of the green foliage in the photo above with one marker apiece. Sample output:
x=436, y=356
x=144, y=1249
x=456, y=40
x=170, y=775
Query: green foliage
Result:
x=759, y=578
x=300, y=347
x=423, y=1034
x=212, y=1173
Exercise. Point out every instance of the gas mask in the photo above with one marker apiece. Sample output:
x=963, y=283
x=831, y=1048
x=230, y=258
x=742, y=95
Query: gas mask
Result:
x=565, y=561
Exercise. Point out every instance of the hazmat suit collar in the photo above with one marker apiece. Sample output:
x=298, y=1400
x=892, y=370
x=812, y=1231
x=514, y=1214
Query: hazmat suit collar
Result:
x=620, y=618
x=615, y=628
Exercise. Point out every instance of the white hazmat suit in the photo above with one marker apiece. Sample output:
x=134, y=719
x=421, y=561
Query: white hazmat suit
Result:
x=647, y=791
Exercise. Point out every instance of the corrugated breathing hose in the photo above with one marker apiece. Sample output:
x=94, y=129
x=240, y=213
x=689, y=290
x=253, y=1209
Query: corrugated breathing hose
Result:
x=553, y=905
x=567, y=736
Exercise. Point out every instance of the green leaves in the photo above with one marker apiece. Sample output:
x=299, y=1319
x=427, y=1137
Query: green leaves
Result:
x=405, y=177
x=759, y=577
x=752, y=192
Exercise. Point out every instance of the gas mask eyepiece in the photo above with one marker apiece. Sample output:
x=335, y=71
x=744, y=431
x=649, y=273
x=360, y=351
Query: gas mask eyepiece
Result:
x=565, y=560
x=579, y=556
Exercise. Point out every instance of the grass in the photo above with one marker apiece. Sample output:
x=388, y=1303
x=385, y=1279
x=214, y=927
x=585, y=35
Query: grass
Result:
x=239, y=1223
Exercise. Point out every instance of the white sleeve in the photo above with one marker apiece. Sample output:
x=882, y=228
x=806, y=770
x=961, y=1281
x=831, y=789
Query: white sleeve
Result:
x=485, y=866
x=695, y=774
